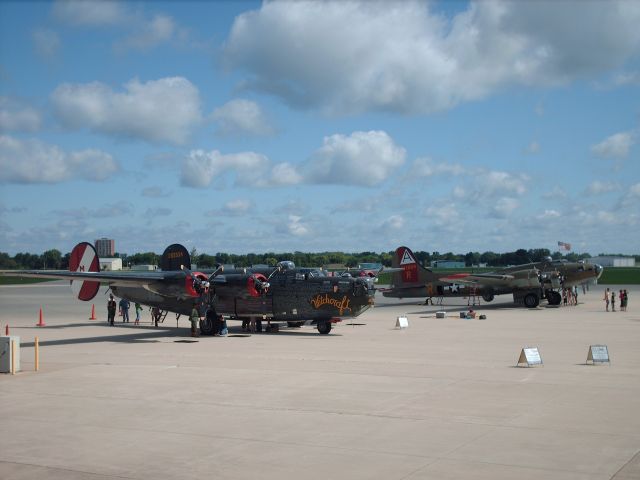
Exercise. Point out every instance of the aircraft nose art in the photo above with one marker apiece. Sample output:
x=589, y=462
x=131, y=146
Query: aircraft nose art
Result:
x=84, y=259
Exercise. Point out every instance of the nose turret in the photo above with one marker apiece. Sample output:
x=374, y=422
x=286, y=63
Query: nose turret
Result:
x=598, y=269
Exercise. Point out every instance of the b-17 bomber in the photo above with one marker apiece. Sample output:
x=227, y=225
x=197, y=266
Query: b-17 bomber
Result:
x=528, y=283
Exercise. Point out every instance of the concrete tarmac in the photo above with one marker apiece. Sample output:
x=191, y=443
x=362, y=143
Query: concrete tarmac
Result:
x=442, y=399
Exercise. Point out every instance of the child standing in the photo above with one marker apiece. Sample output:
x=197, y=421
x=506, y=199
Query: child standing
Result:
x=138, y=310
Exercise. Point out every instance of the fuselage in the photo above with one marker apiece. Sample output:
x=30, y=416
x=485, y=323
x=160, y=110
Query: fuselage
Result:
x=291, y=296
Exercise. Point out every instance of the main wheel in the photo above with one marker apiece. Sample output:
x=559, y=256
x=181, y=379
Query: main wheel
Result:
x=531, y=300
x=324, y=327
x=554, y=298
x=207, y=324
x=487, y=297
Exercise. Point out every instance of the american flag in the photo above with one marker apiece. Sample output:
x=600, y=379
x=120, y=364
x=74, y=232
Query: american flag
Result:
x=564, y=246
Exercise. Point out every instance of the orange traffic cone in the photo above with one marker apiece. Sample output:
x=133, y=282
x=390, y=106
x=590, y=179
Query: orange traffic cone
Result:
x=93, y=312
x=41, y=321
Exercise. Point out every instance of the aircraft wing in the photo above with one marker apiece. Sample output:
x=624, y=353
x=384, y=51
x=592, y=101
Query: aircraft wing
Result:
x=488, y=279
x=390, y=270
x=112, y=278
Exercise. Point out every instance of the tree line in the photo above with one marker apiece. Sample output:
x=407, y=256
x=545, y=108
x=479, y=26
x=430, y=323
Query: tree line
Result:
x=54, y=259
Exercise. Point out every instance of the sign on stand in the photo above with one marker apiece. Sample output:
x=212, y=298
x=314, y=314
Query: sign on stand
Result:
x=402, y=322
x=530, y=356
x=598, y=354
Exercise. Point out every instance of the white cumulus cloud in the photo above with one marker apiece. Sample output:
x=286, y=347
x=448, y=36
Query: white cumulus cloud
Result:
x=160, y=29
x=15, y=116
x=615, y=146
x=362, y=158
x=427, y=167
x=548, y=215
x=504, y=206
x=199, y=168
x=164, y=110
x=403, y=57
x=32, y=161
x=232, y=208
x=242, y=117
x=297, y=227
x=391, y=224
x=597, y=187
x=502, y=182
x=90, y=13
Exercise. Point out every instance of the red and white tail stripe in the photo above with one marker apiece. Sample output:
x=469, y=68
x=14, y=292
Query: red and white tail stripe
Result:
x=84, y=259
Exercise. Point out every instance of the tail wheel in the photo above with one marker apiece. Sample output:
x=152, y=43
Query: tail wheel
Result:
x=324, y=327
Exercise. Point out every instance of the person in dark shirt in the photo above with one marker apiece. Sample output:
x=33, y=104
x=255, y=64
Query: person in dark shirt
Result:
x=111, y=310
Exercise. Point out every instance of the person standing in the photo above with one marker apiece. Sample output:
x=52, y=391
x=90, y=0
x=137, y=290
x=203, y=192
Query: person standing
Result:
x=606, y=299
x=613, y=301
x=621, y=298
x=111, y=310
x=124, y=308
x=194, y=318
x=138, y=310
x=625, y=299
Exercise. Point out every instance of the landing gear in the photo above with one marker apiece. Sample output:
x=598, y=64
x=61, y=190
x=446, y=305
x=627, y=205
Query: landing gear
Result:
x=553, y=297
x=487, y=297
x=531, y=300
x=207, y=324
x=324, y=326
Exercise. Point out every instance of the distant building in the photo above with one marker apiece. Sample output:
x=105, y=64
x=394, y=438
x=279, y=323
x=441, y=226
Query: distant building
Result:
x=144, y=267
x=106, y=247
x=110, y=264
x=370, y=266
x=447, y=264
x=613, y=261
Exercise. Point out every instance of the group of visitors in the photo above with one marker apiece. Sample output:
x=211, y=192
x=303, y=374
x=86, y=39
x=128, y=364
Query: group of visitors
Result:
x=570, y=295
x=124, y=305
x=610, y=299
x=218, y=322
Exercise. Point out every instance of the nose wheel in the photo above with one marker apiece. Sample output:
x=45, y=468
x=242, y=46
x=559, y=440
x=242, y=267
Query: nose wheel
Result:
x=324, y=326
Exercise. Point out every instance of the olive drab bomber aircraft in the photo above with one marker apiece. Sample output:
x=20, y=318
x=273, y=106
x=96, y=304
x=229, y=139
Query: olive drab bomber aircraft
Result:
x=528, y=283
x=282, y=293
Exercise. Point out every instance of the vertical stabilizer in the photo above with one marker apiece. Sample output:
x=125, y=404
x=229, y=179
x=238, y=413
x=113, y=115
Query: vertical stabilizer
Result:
x=175, y=256
x=84, y=259
x=412, y=272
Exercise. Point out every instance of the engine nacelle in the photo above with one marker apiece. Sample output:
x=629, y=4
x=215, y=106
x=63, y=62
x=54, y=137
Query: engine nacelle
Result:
x=257, y=285
x=196, y=284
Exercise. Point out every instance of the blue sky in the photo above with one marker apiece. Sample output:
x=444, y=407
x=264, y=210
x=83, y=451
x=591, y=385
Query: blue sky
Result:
x=354, y=126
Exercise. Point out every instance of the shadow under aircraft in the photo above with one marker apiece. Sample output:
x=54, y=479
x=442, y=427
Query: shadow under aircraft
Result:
x=528, y=283
x=281, y=293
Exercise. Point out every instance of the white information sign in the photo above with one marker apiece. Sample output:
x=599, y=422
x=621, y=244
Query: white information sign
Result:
x=530, y=356
x=402, y=322
x=598, y=354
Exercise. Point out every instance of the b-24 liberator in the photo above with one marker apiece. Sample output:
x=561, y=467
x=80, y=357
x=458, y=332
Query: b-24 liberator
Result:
x=281, y=293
